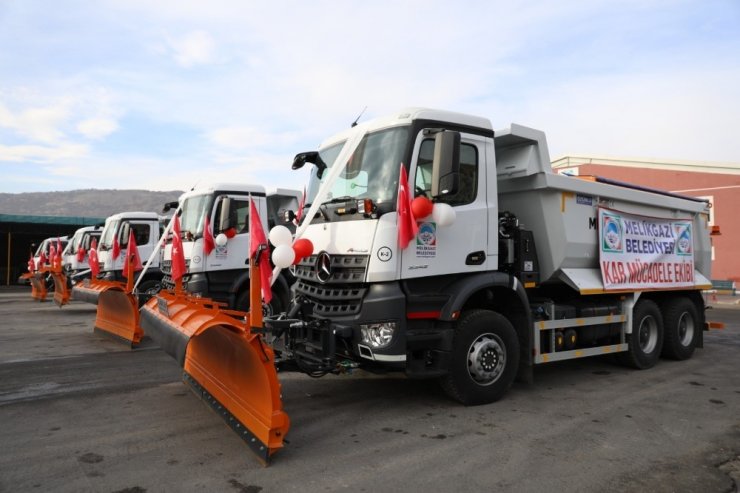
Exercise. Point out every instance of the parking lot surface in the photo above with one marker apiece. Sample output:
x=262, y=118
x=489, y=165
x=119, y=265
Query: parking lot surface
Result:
x=82, y=412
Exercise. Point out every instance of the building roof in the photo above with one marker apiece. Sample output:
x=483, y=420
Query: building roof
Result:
x=673, y=165
x=60, y=220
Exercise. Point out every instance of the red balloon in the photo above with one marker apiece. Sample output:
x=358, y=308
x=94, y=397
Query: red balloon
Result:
x=230, y=233
x=302, y=248
x=421, y=207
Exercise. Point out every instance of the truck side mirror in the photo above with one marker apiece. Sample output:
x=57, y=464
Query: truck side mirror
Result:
x=446, y=164
x=123, y=234
x=169, y=206
x=312, y=157
x=225, y=215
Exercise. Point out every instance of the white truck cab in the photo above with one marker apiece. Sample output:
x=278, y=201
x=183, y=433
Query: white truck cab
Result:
x=75, y=262
x=45, y=247
x=147, y=227
x=223, y=273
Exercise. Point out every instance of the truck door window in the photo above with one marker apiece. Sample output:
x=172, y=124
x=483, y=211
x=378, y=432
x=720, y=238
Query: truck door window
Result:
x=468, y=173
x=141, y=233
x=238, y=214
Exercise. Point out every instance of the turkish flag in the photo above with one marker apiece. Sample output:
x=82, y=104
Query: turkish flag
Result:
x=116, y=248
x=407, y=227
x=52, y=254
x=132, y=252
x=301, y=205
x=31, y=264
x=92, y=259
x=59, y=250
x=178, y=256
x=256, y=238
x=42, y=259
x=208, y=244
x=80, y=253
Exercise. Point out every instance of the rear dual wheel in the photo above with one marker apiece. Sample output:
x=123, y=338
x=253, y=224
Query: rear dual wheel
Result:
x=682, y=326
x=645, y=343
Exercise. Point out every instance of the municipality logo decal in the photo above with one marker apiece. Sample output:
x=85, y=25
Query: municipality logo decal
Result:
x=611, y=234
x=684, y=241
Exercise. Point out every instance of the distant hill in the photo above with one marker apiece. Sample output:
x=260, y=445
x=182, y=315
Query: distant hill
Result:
x=86, y=203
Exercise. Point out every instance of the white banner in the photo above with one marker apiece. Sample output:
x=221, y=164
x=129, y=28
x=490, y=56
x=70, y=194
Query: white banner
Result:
x=639, y=252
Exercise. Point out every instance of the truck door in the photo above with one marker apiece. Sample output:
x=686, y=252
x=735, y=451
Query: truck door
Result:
x=462, y=245
x=234, y=223
x=145, y=239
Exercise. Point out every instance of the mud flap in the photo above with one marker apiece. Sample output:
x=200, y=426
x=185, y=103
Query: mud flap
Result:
x=61, y=291
x=117, y=313
x=226, y=364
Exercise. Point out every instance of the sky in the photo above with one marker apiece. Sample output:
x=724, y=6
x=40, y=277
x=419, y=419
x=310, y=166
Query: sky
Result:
x=164, y=94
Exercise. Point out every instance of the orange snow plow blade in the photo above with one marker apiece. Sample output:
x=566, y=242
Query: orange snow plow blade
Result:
x=38, y=285
x=225, y=361
x=117, y=314
x=61, y=291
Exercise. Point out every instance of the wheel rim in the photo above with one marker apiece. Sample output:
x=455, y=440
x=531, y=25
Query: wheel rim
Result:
x=486, y=359
x=686, y=329
x=648, y=334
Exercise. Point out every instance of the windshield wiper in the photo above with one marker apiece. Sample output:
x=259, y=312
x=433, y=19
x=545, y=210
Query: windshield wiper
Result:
x=336, y=200
x=322, y=210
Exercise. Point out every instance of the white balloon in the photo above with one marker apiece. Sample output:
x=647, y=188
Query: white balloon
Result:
x=221, y=239
x=443, y=214
x=283, y=256
x=280, y=235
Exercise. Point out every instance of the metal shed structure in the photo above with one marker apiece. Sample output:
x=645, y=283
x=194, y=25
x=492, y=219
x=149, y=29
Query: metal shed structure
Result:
x=18, y=233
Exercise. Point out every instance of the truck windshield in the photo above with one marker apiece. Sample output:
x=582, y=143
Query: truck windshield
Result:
x=73, y=244
x=43, y=247
x=372, y=171
x=194, y=210
x=106, y=239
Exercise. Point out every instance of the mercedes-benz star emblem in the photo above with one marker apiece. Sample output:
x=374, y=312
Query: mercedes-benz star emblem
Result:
x=323, y=267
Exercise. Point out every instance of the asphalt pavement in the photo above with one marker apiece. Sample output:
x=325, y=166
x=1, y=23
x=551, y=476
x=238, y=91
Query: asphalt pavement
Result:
x=82, y=412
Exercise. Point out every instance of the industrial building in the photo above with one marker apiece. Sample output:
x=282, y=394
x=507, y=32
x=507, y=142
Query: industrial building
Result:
x=20, y=233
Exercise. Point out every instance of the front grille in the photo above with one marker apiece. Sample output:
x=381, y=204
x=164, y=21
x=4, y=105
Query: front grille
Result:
x=342, y=293
x=167, y=282
x=166, y=267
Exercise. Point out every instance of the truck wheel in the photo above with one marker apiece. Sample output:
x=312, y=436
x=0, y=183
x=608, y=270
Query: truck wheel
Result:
x=484, y=359
x=646, y=341
x=146, y=290
x=275, y=306
x=681, y=321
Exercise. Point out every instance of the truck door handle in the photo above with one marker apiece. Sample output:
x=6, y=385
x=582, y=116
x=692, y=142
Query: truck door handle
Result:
x=475, y=258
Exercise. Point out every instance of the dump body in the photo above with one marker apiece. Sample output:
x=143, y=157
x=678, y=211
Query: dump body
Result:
x=562, y=211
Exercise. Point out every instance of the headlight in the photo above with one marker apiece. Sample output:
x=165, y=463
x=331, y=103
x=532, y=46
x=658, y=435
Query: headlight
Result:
x=378, y=335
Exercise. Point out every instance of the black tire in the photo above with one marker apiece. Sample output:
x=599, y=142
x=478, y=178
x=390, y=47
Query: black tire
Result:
x=681, y=328
x=49, y=283
x=147, y=289
x=646, y=340
x=484, y=359
x=275, y=306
